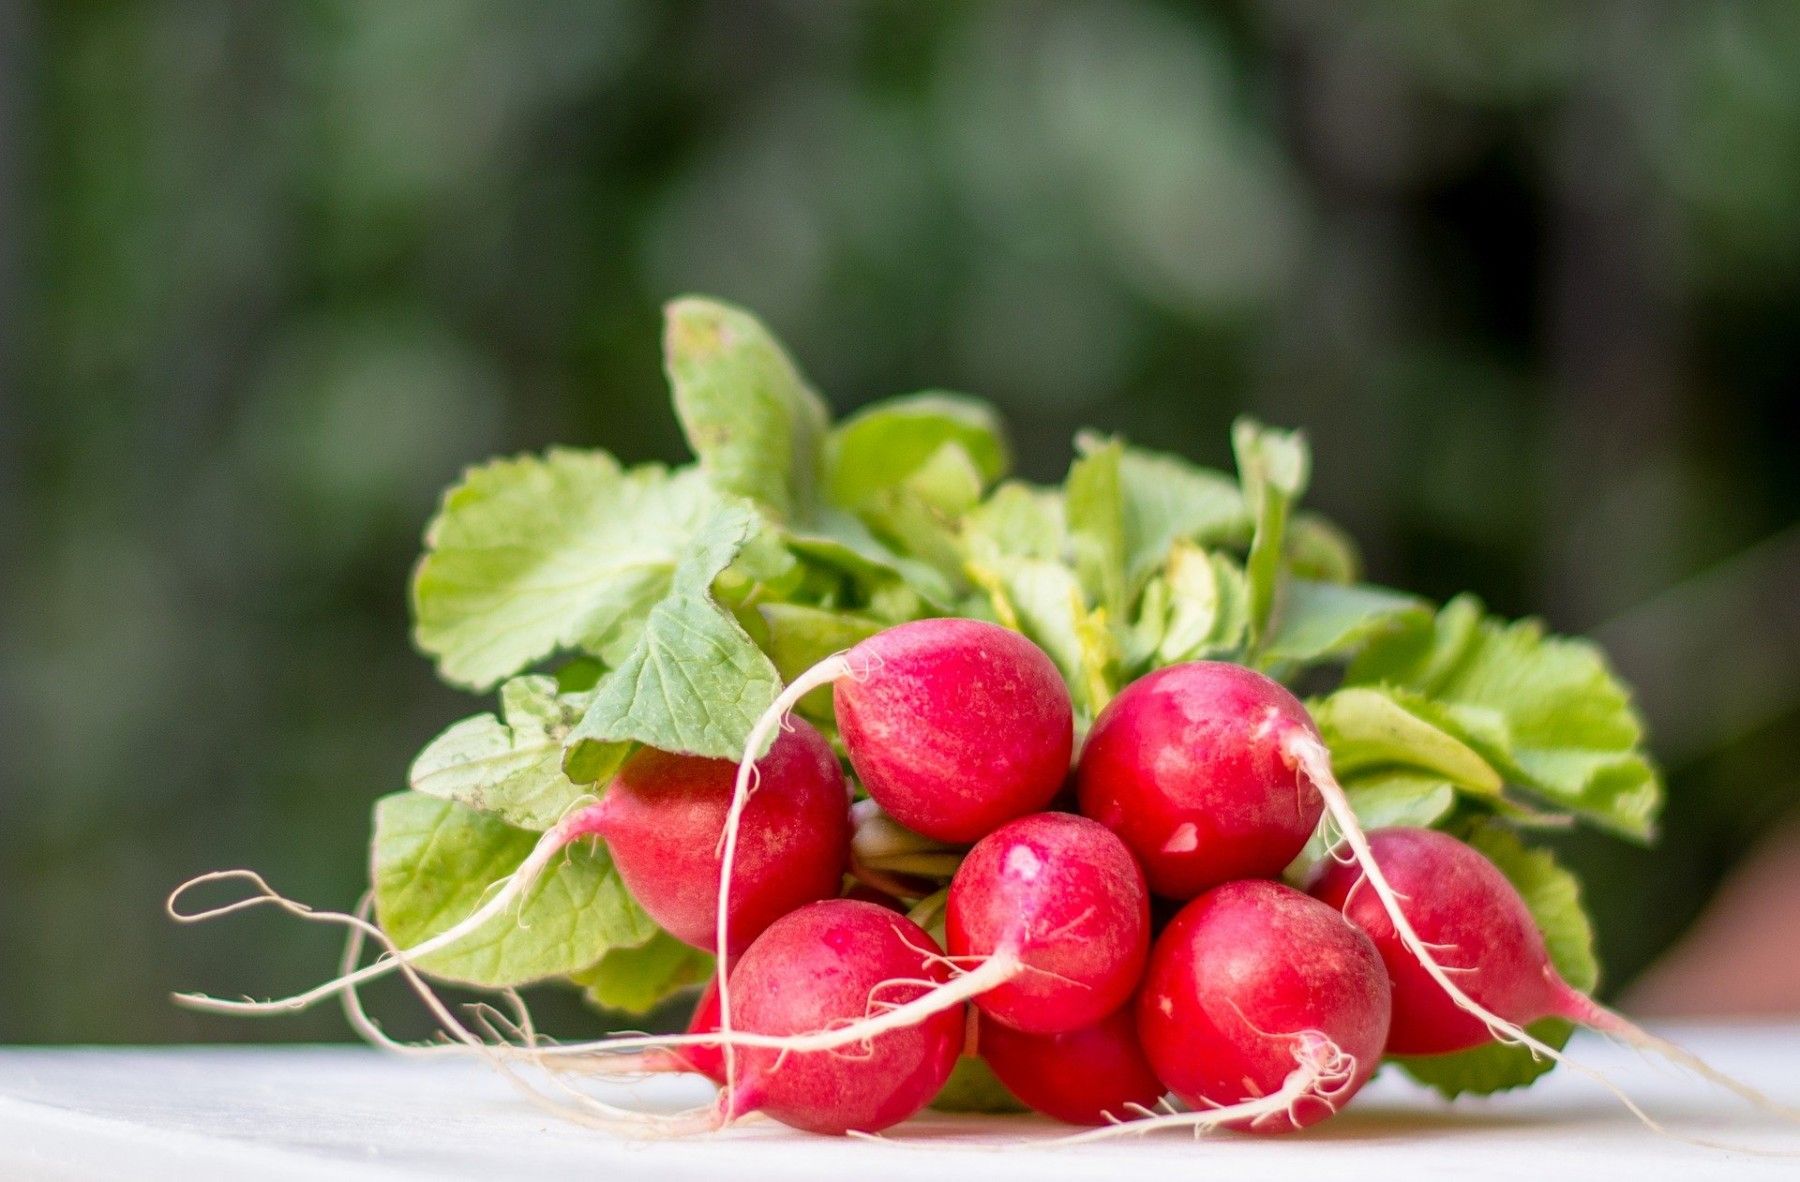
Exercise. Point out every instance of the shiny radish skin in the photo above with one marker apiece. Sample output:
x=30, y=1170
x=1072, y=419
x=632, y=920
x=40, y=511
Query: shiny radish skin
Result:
x=663, y=813
x=1189, y=765
x=1479, y=927
x=1091, y=1076
x=955, y=726
x=1244, y=982
x=1062, y=897
x=821, y=966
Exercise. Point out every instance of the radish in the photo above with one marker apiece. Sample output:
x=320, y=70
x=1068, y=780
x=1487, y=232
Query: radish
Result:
x=1193, y=765
x=663, y=814
x=1060, y=900
x=1264, y=1007
x=826, y=964
x=1091, y=1076
x=958, y=726
x=1477, y=924
x=1466, y=959
x=662, y=820
x=953, y=726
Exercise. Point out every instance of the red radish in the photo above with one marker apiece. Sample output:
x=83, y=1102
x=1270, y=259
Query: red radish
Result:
x=1091, y=1076
x=1264, y=1006
x=663, y=814
x=1475, y=922
x=1190, y=765
x=1466, y=959
x=956, y=727
x=826, y=964
x=1060, y=898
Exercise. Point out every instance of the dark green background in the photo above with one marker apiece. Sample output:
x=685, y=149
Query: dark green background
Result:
x=1529, y=273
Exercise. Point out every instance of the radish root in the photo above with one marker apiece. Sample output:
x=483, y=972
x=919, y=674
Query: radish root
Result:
x=1588, y=1012
x=511, y=890
x=885, y=1018
x=579, y=1106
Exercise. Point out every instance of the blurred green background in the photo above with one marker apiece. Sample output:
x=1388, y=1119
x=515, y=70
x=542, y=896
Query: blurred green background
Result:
x=271, y=274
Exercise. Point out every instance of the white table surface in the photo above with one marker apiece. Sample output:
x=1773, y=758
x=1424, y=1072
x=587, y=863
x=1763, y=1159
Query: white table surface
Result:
x=342, y=1112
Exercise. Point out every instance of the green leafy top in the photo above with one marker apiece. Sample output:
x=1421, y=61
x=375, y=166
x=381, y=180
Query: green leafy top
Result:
x=678, y=599
x=1545, y=712
x=694, y=681
x=755, y=425
x=534, y=555
x=879, y=449
x=511, y=764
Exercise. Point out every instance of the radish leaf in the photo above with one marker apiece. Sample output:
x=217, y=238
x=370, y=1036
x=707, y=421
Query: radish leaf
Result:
x=539, y=554
x=1545, y=711
x=637, y=980
x=879, y=447
x=695, y=682
x=509, y=764
x=755, y=425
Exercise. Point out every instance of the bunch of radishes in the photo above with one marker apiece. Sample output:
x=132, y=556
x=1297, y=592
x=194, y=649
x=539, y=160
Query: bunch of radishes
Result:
x=1018, y=708
x=1255, y=1005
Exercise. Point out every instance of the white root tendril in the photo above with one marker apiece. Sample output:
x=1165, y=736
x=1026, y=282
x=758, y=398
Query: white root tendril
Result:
x=885, y=1018
x=512, y=889
x=1322, y=1074
x=822, y=674
x=1307, y=753
x=579, y=1107
x=1616, y=1025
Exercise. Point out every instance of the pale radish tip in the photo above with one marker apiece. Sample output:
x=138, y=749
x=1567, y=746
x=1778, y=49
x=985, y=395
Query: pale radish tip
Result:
x=742, y=1098
x=595, y=820
x=589, y=818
